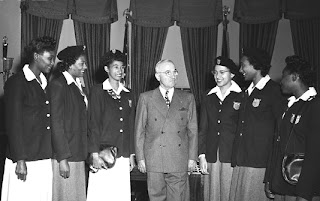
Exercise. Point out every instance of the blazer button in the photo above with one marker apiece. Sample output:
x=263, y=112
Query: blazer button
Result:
x=47, y=102
x=178, y=131
x=155, y=119
x=179, y=145
x=240, y=134
x=162, y=132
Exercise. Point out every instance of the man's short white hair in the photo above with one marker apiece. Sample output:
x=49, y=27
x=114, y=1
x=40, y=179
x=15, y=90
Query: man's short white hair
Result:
x=161, y=62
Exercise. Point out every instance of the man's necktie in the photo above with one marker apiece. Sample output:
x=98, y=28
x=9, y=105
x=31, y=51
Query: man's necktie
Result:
x=167, y=99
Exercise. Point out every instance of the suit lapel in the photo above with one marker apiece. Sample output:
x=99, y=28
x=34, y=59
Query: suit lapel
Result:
x=176, y=102
x=159, y=102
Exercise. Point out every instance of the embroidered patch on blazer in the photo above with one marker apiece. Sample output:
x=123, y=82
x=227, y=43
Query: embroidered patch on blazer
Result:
x=236, y=105
x=130, y=103
x=256, y=102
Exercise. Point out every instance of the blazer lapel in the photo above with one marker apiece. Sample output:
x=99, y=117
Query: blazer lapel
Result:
x=159, y=102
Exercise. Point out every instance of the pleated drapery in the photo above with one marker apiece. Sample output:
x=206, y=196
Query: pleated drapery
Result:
x=304, y=19
x=33, y=26
x=96, y=38
x=199, y=49
x=198, y=21
x=92, y=21
x=262, y=35
x=306, y=42
x=147, y=45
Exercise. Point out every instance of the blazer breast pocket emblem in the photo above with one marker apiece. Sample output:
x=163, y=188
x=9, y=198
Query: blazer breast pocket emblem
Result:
x=256, y=102
x=236, y=105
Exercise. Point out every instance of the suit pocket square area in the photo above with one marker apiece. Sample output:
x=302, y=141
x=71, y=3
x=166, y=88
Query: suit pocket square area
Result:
x=183, y=109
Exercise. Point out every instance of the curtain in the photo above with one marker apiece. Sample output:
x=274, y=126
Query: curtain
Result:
x=92, y=23
x=306, y=42
x=36, y=26
x=199, y=49
x=304, y=19
x=259, y=35
x=96, y=38
x=147, y=45
x=198, y=20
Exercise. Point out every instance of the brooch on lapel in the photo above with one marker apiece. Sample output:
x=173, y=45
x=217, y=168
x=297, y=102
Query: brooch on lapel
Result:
x=236, y=105
x=130, y=103
x=256, y=102
x=297, y=119
x=292, y=118
x=113, y=94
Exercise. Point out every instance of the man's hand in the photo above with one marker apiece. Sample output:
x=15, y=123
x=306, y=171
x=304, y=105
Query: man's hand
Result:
x=64, y=169
x=142, y=166
x=267, y=191
x=191, y=165
x=203, y=165
x=21, y=170
x=132, y=162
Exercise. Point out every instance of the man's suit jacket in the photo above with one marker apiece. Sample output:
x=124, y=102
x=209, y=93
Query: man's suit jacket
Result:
x=166, y=138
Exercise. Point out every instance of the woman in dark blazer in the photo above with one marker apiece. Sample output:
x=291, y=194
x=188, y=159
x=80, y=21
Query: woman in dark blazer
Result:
x=69, y=126
x=111, y=122
x=260, y=107
x=28, y=171
x=218, y=124
x=302, y=111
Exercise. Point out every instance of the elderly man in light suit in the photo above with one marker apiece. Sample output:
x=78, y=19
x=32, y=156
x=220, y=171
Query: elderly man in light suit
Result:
x=166, y=136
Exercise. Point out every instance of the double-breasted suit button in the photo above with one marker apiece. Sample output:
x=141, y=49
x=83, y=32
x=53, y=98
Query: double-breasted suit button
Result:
x=121, y=119
x=218, y=121
x=121, y=130
x=155, y=119
x=218, y=133
x=179, y=145
x=48, y=127
x=48, y=115
x=178, y=131
x=220, y=110
x=120, y=108
x=47, y=102
x=162, y=132
x=240, y=134
x=242, y=121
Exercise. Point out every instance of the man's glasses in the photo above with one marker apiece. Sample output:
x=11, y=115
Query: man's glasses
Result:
x=170, y=73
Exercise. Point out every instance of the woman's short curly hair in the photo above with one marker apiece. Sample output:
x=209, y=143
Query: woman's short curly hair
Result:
x=38, y=45
x=297, y=65
x=111, y=56
x=259, y=59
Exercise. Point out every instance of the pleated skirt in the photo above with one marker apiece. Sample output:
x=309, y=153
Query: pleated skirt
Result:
x=217, y=183
x=38, y=184
x=247, y=184
x=72, y=188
